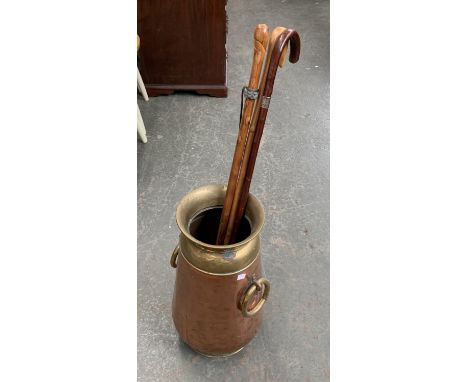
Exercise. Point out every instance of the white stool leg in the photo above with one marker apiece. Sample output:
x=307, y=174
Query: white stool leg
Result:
x=141, y=126
x=141, y=86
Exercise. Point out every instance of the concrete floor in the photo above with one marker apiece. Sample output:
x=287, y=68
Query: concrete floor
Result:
x=190, y=143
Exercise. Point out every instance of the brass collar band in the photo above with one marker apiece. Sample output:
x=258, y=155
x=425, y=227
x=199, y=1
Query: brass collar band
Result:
x=217, y=271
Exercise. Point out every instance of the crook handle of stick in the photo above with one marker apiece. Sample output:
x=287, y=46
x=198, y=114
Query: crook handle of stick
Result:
x=291, y=36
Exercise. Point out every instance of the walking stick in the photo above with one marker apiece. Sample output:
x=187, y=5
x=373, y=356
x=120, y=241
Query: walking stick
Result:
x=260, y=46
x=277, y=54
x=232, y=227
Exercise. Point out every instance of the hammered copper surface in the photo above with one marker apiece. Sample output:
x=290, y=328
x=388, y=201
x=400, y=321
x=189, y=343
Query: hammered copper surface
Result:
x=206, y=312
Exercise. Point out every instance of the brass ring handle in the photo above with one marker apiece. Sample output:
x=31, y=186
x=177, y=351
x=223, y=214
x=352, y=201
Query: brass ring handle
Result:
x=249, y=293
x=174, y=256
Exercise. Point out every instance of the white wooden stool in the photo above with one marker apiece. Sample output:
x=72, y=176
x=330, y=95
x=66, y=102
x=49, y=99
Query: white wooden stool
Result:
x=141, y=86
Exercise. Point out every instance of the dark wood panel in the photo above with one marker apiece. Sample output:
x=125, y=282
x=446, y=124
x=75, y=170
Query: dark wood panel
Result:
x=183, y=46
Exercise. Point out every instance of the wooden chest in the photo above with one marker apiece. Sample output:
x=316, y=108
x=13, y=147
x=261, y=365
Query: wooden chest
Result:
x=183, y=46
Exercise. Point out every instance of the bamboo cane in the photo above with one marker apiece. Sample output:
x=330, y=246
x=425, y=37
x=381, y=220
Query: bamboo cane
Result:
x=278, y=49
x=232, y=227
x=260, y=47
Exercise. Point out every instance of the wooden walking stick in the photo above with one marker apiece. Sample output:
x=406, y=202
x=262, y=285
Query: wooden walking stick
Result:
x=277, y=54
x=232, y=226
x=260, y=47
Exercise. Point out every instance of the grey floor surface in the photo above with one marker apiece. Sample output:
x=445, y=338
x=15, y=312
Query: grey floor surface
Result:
x=190, y=143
